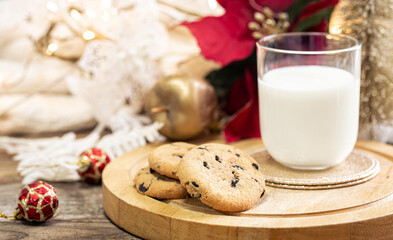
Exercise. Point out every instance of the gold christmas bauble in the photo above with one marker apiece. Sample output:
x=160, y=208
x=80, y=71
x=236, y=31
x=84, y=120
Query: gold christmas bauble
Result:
x=185, y=105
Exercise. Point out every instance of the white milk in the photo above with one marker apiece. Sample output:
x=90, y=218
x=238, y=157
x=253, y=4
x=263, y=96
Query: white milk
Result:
x=309, y=115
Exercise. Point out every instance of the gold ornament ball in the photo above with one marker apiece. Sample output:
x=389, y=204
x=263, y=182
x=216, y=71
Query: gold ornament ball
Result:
x=185, y=105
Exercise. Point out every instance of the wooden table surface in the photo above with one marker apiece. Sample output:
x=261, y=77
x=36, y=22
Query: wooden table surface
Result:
x=82, y=215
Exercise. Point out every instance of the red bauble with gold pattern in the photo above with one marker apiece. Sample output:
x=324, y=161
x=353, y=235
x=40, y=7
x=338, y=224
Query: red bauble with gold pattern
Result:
x=37, y=202
x=92, y=162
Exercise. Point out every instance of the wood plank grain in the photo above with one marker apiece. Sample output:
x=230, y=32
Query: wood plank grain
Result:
x=377, y=147
x=8, y=172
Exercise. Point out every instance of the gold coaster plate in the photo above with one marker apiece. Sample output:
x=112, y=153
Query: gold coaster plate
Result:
x=357, y=168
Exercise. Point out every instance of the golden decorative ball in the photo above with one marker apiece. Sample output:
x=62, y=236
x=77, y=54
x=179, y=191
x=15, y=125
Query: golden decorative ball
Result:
x=185, y=105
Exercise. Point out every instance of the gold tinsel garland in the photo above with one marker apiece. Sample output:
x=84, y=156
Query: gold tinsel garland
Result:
x=371, y=21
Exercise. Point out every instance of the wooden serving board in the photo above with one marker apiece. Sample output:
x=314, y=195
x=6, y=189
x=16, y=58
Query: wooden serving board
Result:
x=363, y=211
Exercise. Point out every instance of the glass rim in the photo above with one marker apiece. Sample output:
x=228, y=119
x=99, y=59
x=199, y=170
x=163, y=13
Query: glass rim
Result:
x=357, y=44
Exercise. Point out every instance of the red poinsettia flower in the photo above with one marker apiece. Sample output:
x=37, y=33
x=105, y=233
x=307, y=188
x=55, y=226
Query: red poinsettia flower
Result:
x=227, y=38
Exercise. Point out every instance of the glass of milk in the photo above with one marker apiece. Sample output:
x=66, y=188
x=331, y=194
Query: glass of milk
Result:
x=309, y=86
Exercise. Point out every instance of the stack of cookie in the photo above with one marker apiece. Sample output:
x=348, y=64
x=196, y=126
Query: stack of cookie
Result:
x=221, y=176
x=160, y=180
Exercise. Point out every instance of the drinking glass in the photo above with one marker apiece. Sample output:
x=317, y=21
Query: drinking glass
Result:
x=309, y=86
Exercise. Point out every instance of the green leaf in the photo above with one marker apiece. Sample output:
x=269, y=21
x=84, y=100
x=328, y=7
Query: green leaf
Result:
x=297, y=7
x=314, y=19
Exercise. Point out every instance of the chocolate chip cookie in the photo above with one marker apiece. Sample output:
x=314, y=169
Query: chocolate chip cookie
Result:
x=223, y=177
x=151, y=183
x=165, y=158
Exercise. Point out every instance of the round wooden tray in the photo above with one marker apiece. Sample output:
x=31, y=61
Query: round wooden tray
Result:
x=363, y=211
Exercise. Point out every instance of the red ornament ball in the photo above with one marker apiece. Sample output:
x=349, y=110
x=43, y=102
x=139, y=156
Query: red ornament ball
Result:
x=37, y=202
x=91, y=164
